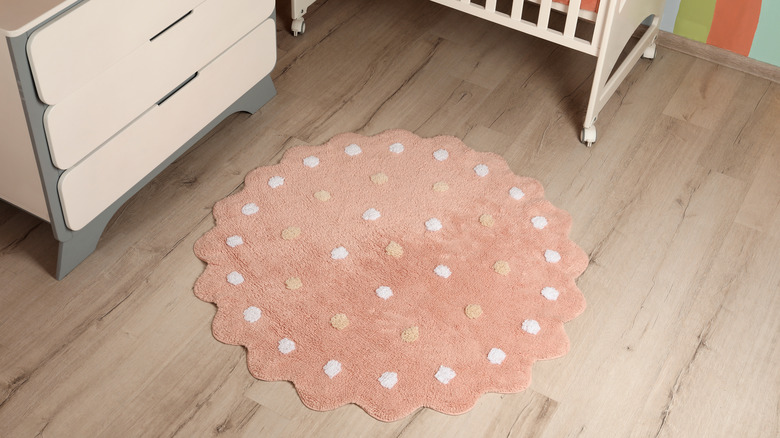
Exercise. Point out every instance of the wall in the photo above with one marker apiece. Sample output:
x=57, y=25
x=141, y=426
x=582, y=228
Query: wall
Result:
x=748, y=27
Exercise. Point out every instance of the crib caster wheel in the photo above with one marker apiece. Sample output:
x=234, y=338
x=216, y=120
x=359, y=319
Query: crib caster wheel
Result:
x=649, y=52
x=298, y=26
x=588, y=136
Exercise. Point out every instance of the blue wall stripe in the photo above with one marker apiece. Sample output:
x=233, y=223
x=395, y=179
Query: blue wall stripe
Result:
x=670, y=15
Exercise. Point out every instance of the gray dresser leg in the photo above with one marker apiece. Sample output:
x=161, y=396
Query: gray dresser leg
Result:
x=83, y=242
x=256, y=97
x=80, y=245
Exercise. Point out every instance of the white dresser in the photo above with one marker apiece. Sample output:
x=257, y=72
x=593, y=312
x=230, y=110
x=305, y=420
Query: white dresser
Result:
x=98, y=96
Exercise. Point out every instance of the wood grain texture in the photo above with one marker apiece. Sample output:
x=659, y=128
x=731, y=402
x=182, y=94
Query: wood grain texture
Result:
x=677, y=205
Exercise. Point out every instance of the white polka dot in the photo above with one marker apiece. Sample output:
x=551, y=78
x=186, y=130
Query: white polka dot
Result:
x=531, y=326
x=552, y=256
x=275, y=181
x=445, y=374
x=516, y=193
x=433, y=224
x=481, y=170
x=396, y=148
x=496, y=356
x=339, y=253
x=235, y=278
x=441, y=154
x=250, y=209
x=388, y=379
x=442, y=271
x=353, y=150
x=252, y=314
x=384, y=292
x=311, y=161
x=234, y=241
x=539, y=222
x=550, y=293
x=371, y=214
x=332, y=368
x=286, y=346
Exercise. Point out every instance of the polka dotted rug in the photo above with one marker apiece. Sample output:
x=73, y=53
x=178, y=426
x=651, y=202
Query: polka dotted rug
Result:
x=392, y=272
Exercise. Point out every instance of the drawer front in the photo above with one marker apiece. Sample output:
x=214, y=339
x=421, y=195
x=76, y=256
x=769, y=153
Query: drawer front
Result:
x=89, y=116
x=95, y=183
x=72, y=49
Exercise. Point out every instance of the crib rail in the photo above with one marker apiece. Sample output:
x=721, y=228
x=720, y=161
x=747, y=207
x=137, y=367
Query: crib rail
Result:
x=516, y=19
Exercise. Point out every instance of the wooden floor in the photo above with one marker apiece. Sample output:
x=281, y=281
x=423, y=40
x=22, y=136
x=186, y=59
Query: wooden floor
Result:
x=677, y=205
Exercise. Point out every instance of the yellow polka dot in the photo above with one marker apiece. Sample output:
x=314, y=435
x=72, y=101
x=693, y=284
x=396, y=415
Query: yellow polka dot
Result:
x=322, y=195
x=501, y=267
x=411, y=334
x=487, y=220
x=339, y=321
x=291, y=233
x=379, y=178
x=441, y=186
x=293, y=283
x=394, y=250
x=473, y=311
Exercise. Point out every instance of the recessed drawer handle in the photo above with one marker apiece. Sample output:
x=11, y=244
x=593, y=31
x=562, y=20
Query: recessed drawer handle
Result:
x=178, y=87
x=170, y=26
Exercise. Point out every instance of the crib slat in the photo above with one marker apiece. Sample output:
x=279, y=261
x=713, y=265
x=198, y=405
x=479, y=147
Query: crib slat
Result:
x=517, y=9
x=571, y=18
x=490, y=5
x=544, y=14
x=606, y=8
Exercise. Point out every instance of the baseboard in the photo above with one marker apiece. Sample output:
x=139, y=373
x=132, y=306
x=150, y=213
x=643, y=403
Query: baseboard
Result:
x=719, y=56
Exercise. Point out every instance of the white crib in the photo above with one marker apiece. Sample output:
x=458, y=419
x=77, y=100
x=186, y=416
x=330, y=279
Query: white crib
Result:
x=615, y=22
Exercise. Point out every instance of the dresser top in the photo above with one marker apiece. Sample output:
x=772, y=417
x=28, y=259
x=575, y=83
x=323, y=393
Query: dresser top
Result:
x=19, y=16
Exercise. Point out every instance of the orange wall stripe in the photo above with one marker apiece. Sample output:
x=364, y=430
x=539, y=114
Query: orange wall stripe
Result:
x=734, y=25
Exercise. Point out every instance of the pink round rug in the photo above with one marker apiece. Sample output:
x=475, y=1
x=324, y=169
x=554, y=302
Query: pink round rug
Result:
x=392, y=272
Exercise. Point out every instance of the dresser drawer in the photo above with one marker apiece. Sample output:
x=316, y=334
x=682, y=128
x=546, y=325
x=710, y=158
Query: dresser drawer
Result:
x=95, y=183
x=72, y=49
x=90, y=115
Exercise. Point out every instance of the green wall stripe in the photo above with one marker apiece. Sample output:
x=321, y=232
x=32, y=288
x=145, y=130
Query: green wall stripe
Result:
x=766, y=43
x=694, y=19
x=671, y=8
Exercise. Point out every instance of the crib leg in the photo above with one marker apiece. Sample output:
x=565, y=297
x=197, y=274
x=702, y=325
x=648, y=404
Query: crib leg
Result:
x=649, y=52
x=298, y=8
x=613, y=42
x=588, y=135
x=298, y=26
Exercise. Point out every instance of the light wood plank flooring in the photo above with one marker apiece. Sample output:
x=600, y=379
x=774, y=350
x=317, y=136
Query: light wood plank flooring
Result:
x=677, y=205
